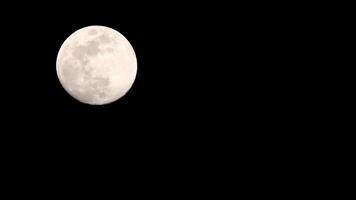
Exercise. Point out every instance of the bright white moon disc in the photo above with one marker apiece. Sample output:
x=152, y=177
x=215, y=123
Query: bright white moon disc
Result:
x=96, y=65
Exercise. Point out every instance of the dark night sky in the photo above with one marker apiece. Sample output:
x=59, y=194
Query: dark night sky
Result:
x=223, y=91
x=179, y=52
x=206, y=74
x=175, y=88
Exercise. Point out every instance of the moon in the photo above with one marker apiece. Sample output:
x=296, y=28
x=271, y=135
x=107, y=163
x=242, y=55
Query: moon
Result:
x=96, y=65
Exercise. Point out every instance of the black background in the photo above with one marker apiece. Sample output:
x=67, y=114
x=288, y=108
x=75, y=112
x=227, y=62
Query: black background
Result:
x=203, y=70
x=187, y=58
x=216, y=83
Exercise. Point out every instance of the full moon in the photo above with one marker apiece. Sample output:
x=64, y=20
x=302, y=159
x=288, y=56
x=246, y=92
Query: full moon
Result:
x=96, y=65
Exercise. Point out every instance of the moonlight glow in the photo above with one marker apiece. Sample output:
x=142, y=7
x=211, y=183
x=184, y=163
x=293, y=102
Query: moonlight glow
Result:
x=96, y=65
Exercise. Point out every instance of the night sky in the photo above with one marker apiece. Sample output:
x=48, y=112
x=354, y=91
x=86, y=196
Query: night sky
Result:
x=211, y=79
x=179, y=88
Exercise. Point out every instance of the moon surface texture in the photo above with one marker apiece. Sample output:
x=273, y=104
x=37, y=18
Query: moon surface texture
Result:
x=96, y=65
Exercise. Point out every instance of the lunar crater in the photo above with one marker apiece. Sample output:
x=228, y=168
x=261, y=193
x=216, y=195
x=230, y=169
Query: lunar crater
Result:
x=92, y=32
x=105, y=39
